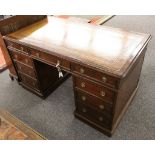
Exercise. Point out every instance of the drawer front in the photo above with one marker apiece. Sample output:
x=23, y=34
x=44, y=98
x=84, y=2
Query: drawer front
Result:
x=22, y=58
x=29, y=81
x=16, y=46
x=94, y=102
x=51, y=59
x=25, y=69
x=95, y=89
x=93, y=115
x=99, y=76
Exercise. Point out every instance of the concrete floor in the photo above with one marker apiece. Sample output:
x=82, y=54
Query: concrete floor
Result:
x=53, y=117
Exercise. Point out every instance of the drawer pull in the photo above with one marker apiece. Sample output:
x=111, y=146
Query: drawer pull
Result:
x=104, y=79
x=83, y=98
x=102, y=93
x=83, y=85
x=26, y=61
x=21, y=48
x=100, y=119
x=20, y=67
x=84, y=110
x=101, y=106
x=82, y=71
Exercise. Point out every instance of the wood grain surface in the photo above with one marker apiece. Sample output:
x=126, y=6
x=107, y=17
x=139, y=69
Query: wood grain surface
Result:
x=106, y=48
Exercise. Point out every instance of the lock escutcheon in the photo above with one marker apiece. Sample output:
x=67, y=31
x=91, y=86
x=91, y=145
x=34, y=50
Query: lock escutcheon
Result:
x=104, y=79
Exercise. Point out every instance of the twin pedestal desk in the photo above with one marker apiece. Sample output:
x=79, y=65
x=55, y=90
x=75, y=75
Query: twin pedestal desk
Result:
x=105, y=64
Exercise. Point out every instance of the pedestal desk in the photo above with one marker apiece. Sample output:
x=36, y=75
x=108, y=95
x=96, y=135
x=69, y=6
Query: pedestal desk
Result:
x=105, y=64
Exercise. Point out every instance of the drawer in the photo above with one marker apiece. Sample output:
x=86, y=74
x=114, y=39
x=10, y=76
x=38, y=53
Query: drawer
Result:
x=25, y=69
x=93, y=115
x=21, y=58
x=94, y=102
x=51, y=59
x=32, y=83
x=95, y=89
x=16, y=46
x=99, y=76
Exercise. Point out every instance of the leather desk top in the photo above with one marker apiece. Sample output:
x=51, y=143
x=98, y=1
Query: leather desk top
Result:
x=105, y=48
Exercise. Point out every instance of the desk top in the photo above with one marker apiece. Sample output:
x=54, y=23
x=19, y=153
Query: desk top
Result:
x=105, y=48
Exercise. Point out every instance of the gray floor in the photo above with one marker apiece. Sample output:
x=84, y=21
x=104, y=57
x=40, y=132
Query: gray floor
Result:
x=53, y=117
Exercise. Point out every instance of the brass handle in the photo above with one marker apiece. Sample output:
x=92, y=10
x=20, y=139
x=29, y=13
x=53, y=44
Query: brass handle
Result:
x=102, y=93
x=38, y=55
x=83, y=98
x=104, y=79
x=20, y=67
x=21, y=48
x=26, y=61
x=100, y=119
x=82, y=71
x=101, y=106
x=84, y=110
x=83, y=85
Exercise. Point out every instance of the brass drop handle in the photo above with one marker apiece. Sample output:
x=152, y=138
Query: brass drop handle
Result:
x=102, y=93
x=84, y=110
x=83, y=98
x=104, y=79
x=101, y=107
x=100, y=119
x=83, y=85
x=82, y=70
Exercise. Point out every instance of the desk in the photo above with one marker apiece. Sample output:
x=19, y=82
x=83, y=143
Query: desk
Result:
x=105, y=64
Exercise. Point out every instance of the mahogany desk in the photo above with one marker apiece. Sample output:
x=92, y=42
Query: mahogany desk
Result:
x=105, y=64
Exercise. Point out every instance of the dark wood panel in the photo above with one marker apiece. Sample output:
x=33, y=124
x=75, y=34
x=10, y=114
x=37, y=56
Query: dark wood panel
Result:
x=94, y=102
x=14, y=23
x=127, y=88
x=28, y=81
x=94, y=88
x=18, y=47
x=50, y=59
x=93, y=115
x=99, y=76
x=25, y=69
x=21, y=58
